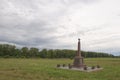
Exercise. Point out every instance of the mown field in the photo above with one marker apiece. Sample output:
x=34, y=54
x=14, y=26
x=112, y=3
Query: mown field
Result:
x=45, y=69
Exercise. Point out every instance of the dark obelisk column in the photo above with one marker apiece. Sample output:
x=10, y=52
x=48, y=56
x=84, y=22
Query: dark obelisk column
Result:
x=79, y=53
x=78, y=60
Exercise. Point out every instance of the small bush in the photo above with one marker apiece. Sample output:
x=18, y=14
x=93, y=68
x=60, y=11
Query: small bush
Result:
x=58, y=65
x=98, y=66
x=70, y=66
x=93, y=67
x=64, y=65
x=85, y=67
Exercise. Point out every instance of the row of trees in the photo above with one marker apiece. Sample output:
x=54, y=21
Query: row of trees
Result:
x=7, y=50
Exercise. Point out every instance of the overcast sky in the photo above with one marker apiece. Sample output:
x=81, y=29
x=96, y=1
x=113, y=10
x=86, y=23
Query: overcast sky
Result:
x=59, y=24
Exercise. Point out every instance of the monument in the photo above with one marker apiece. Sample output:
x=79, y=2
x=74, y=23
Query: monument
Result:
x=78, y=63
x=78, y=60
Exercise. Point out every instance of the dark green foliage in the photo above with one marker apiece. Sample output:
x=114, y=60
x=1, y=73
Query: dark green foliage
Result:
x=33, y=52
x=8, y=51
x=25, y=52
x=43, y=53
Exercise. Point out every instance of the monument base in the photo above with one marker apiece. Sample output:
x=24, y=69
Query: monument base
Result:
x=89, y=69
x=78, y=62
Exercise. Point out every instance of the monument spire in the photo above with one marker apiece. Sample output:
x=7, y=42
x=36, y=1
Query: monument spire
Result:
x=79, y=48
x=78, y=60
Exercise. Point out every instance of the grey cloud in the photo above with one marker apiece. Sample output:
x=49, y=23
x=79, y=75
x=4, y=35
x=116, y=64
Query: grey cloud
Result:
x=114, y=51
x=36, y=22
x=38, y=41
x=84, y=32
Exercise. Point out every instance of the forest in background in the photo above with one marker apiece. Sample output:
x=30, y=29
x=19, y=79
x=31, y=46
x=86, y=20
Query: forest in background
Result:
x=11, y=51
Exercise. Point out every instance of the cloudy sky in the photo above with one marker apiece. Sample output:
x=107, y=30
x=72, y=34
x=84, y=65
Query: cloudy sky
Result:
x=59, y=23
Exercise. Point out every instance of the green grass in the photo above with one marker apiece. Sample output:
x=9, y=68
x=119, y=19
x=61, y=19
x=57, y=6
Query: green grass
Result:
x=45, y=69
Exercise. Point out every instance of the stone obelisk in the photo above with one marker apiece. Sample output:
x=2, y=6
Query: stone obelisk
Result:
x=78, y=60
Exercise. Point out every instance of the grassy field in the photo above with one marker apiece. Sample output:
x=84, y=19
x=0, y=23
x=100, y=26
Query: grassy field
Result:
x=45, y=69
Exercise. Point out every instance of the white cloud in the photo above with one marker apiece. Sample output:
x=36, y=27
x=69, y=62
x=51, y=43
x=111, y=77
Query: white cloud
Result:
x=58, y=23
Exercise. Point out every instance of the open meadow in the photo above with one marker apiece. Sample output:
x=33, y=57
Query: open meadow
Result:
x=45, y=69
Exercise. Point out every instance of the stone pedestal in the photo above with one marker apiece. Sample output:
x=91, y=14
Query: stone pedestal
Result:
x=78, y=62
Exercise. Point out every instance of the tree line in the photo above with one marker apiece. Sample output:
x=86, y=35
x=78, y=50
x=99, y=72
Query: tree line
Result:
x=8, y=51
